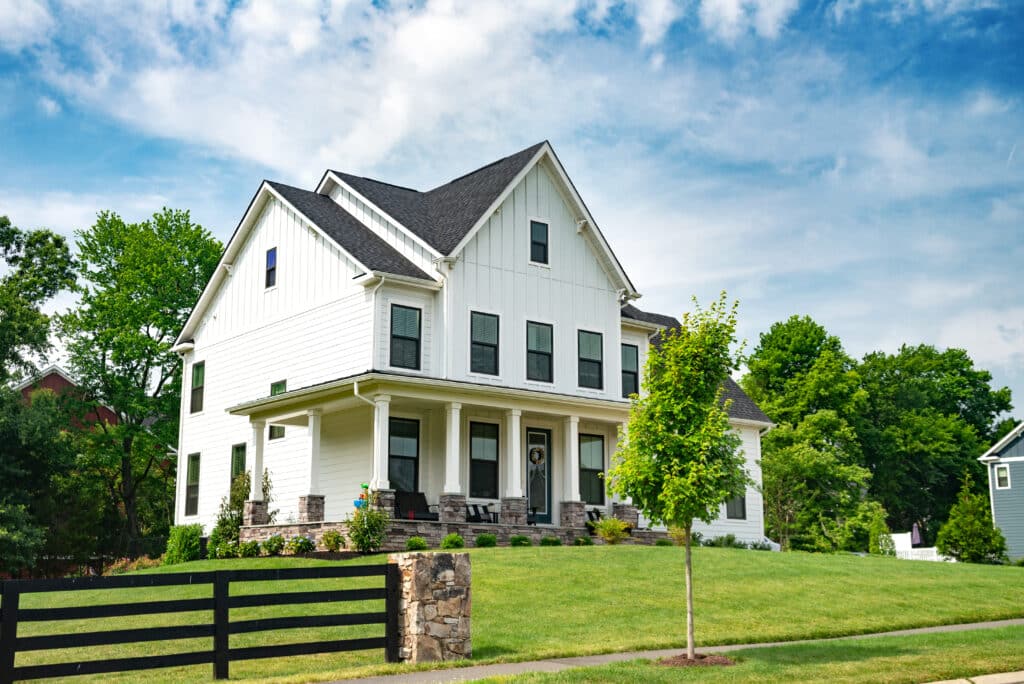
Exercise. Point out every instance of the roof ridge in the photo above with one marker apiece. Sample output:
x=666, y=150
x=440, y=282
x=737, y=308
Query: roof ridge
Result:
x=486, y=166
x=378, y=182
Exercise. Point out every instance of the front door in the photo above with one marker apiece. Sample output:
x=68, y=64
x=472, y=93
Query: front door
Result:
x=538, y=474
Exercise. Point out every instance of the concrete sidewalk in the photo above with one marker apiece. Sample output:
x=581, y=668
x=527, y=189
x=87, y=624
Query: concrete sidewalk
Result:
x=466, y=674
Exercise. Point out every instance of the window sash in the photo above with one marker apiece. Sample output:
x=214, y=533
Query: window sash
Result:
x=483, y=354
x=591, y=359
x=403, y=462
x=198, y=383
x=192, y=485
x=538, y=242
x=270, y=279
x=483, y=460
x=237, y=461
x=406, y=328
x=539, y=351
x=630, y=383
x=736, y=508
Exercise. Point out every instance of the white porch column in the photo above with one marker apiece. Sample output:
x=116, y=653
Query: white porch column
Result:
x=381, y=413
x=256, y=480
x=513, y=455
x=452, y=455
x=571, y=449
x=313, y=431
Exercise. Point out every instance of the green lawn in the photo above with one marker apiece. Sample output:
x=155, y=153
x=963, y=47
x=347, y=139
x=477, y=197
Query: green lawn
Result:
x=910, y=659
x=531, y=603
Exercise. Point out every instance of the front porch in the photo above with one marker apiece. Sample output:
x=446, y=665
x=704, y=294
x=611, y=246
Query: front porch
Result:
x=529, y=456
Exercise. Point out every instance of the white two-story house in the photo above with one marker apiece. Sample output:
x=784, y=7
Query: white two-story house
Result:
x=474, y=343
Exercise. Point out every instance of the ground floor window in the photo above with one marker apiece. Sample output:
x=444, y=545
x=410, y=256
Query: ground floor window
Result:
x=736, y=508
x=192, y=485
x=237, y=461
x=591, y=466
x=483, y=460
x=404, y=454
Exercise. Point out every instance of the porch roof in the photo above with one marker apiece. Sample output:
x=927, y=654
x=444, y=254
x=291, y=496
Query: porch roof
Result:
x=352, y=390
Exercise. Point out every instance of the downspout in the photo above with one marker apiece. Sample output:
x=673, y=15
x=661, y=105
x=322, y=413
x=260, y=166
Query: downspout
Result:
x=355, y=392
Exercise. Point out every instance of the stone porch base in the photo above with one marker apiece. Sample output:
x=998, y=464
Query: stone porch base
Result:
x=434, y=532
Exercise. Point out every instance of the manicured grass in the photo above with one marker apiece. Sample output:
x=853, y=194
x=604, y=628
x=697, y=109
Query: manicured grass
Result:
x=917, y=658
x=535, y=602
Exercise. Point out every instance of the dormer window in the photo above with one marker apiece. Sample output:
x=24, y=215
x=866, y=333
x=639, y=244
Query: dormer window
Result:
x=270, y=279
x=538, y=242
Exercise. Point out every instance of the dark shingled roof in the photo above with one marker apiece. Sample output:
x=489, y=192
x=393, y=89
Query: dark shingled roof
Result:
x=742, y=407
x=355, y=238
x=444, y=215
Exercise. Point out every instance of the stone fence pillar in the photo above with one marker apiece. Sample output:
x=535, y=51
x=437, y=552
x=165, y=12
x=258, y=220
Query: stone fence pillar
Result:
x=255, y=513
x=435, y=606
x=627, y=513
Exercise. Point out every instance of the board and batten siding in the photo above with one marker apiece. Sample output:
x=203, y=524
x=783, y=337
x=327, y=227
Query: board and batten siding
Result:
x=494, y=275
x=314, y=325
x=406, y=244
x=1008, y=506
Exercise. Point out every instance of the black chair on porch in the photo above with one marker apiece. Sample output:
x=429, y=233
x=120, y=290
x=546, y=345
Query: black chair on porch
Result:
x=480, y=513
x=414, y=506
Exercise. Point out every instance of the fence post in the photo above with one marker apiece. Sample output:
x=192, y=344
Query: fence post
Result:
x=8, y=630
x=392, y=642
x=220, y=625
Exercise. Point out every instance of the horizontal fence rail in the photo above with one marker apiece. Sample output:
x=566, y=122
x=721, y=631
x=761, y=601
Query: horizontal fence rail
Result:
x=220, y=629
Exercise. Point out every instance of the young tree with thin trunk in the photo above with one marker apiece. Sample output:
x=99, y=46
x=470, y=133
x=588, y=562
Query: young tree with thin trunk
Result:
x=678, y=458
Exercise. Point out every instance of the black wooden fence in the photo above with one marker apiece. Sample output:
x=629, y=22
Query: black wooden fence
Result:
x=221, y=655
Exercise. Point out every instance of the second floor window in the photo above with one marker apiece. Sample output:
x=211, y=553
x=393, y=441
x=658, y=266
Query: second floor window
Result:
x=630, y=370
x=270, y=279
x=279, y=387
x=539, y=350
x=405, y=337
x=198, y=383
x=483, y=353
x=591, y=365
x=538, y=242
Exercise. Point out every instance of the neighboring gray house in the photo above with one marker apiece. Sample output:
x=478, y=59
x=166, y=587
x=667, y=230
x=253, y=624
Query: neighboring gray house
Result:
x=1005, y=464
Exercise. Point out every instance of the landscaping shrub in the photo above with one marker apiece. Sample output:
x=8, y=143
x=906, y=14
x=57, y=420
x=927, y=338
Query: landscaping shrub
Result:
x=273, y=545
x=611, y=530
x=583, y=541
x=123, y=565
x=300, y=544
x=762, y=545
x=519, y=540
x=486, y=540
x=678, y=535
x=368, y=529
x=969, y=535
x=453, y=541
x=550, y=541
x=726, y=541
x=416, y=544
x=183, y=544
x=664, y=542
x=249, y=549
x=332, y=540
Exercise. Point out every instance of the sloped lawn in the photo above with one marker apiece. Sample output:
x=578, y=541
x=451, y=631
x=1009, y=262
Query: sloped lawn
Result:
x=531, y=603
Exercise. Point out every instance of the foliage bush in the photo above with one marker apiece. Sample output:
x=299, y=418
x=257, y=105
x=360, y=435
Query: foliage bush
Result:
x=368, y=529
x=123, y=565
x=183, y=544
x=664, y=542
x=969, y=535
x=301, y=544
x=416, y=544
x=20, y=538
x=611, y=530
x=519, y=540
x=249, y=549
x=486, y=540
x=273, y=545
x=550, y=541
x=761, y=545
x=453, y=541
x=582, y=541
x=332, y=540
x=726, y=541
x=678, y=535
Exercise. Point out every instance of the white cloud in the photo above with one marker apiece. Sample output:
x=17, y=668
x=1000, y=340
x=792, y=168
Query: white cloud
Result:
x=983, y=103
x=48, y=106
x=994, y=337
x=66, y=212
x=728, y=19
x=23, y=23
x=654, y=17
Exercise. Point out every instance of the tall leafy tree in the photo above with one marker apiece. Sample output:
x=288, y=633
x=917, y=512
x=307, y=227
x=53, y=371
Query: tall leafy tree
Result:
x=139, y=282
x=678, y=459
x=39, y=265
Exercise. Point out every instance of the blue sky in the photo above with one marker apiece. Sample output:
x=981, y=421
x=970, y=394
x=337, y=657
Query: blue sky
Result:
x=854, y=160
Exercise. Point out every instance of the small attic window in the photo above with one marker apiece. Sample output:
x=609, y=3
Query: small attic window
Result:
x=270, y=280
x=1002, y=477
x=538, y=242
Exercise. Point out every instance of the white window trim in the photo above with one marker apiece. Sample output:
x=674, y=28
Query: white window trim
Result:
x=995, y=476
x=529, y=241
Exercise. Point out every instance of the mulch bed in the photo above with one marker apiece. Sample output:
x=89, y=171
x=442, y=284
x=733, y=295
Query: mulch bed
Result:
x=682, y=661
